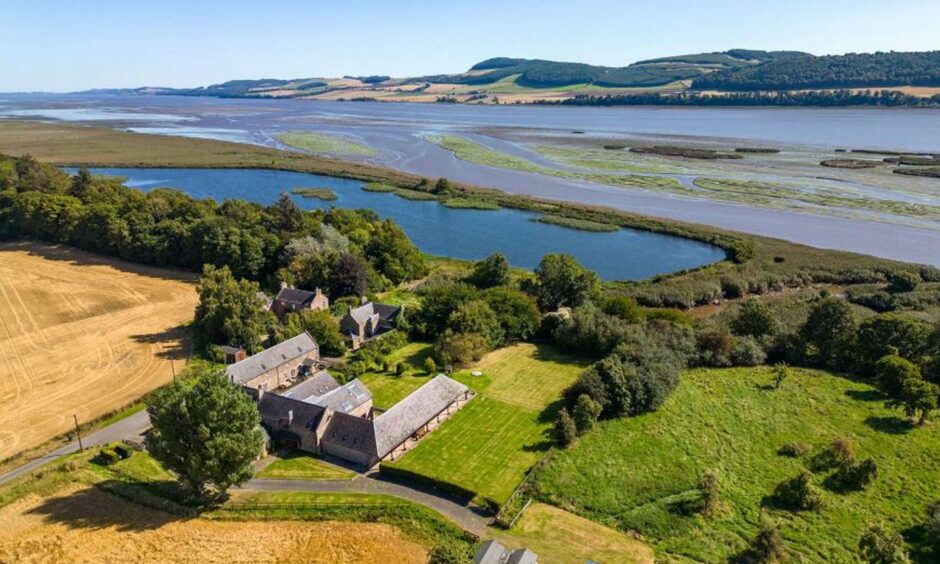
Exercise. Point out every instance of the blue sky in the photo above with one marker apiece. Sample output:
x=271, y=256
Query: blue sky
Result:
x=61, y=45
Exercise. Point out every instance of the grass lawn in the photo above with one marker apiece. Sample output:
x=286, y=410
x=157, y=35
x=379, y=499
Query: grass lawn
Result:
x=569, y=539
x=388, y=388
x=635, y=473
x=303, y=467
x=489, y=445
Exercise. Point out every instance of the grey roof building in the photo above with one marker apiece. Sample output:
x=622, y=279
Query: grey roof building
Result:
x=289, y=300
x=320, y=383
x=368, y=320
x=493, y=552
x=396, y=425
x=300, y=347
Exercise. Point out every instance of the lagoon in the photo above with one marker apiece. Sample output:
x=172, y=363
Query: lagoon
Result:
x=626, y=254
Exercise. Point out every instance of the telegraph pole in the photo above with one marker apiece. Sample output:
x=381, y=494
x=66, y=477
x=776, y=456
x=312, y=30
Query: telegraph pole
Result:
x=81, y=447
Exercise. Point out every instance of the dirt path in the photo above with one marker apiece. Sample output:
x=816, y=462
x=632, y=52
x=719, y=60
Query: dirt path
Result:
x=81, y=335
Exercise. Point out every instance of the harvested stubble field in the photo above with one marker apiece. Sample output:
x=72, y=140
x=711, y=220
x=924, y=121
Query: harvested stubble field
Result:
x=85, y=524
x=81, y=334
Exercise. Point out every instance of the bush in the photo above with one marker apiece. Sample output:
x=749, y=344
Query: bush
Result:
x=123, y=451
x=715, y=348
x=460, y=349
x=879, y=545
x=755, y=319
x=732, y=288
x=708, y=489
x=430, y=366
x=566, y=431
x=794, y=450
x=768, y=545
x=853, y=476
x=891, y=371
x=586, y=411
x=797, y=494
x=748, y=352
x=399, y=368
x=107, y=457
x=838, y=453
x=450, y=552
x=900, y=282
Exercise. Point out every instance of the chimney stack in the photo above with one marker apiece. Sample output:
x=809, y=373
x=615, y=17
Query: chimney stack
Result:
x=260, y=392
x=290, y=417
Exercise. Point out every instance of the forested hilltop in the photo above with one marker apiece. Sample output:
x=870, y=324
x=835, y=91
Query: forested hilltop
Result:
x=854, y=70
x=733, y=77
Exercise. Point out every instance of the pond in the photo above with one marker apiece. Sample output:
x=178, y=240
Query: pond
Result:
x=626, y=254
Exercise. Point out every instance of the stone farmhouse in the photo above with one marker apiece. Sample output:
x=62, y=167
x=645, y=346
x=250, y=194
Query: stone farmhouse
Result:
x=291, y=300
x=321, y=416
x=366, y=321
x=278, y=366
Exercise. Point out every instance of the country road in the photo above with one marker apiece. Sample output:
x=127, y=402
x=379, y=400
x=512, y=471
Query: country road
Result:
x=131, y=427
x=470, y=517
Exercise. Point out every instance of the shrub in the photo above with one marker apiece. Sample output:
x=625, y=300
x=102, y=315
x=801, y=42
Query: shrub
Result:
x=107, y=457
x=900, y=282
x=460, y=348
x=586, y=411
x=798, y=493
x=755, y=319
x=400, y=368
x=781, y=373
x=566, y=431
x=732, y=288
x=450, y=552
x=490, y=272
x=879, y=545
x=123, y=451
x=838, y=453
x=748, y=352
x=918, y=397
x=768, y=544
x=854, y=475
x=715, y=348
x=708, y=489
x=891, y=371
x=590, y=331
x=794, y=449
x=430, y=366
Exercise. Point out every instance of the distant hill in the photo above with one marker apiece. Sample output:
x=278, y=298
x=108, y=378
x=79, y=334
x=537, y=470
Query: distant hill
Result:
x=739, y=76
x=874, y=70
x=539, y=73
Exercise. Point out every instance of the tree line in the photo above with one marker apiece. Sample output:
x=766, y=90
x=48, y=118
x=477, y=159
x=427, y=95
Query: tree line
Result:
x=812, y=98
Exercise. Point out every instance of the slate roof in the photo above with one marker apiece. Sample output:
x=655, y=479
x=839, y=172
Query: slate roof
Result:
x=266, y=360
x=294, y=296
x=317, y=385
x=345, y=398
x=362, y=313
x=273, y=406
x=410, y=414
x=354, y=433
x=493, y=552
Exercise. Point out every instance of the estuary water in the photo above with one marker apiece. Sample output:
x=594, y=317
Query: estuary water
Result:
x=626, y=254
x=397, y=132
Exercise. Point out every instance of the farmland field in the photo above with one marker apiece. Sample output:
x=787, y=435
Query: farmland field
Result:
x=489, y=445
x=89, y=525
x=639, y=473
x=81, y=335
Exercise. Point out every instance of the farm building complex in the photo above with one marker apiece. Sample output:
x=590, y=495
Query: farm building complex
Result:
x=302, y=406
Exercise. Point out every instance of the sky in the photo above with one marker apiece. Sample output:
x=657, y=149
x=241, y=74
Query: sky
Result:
x=68, y=45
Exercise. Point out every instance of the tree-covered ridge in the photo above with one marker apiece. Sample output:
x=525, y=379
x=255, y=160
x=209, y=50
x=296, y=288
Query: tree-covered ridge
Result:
x=540, y=73
x=853, y=70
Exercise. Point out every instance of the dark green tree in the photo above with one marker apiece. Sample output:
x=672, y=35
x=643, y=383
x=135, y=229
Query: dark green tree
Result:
x=491, y=271
x=562, y=282
x=755, y=319
x=229, y=311
x=891, y=371
x=829, y=334
x=516, y=311
x=348, y=276
x=918, y=399
x=207, y=433
x=476, y=316
x=585, y=413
